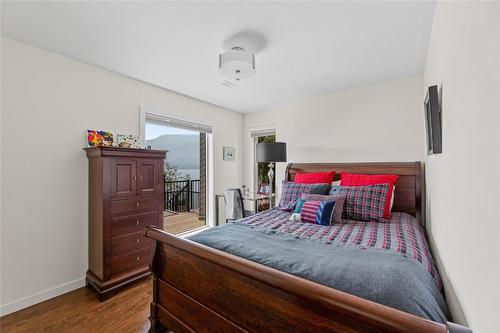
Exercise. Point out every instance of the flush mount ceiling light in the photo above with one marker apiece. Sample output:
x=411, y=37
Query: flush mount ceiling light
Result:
x=238, y=59
x=237, y=64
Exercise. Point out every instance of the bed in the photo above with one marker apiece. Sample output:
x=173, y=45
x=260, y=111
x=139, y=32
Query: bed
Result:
x=267, y=274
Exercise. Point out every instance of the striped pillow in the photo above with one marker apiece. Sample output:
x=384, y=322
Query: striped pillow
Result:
x=318, y=212
x=337, y=209
x=309, y=211
x=364, y=203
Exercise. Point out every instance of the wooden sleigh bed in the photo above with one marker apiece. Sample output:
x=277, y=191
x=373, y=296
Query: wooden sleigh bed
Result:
x=200, y=289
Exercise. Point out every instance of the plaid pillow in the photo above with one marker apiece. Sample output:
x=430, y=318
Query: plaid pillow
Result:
x=364, y=203
x=290, y=192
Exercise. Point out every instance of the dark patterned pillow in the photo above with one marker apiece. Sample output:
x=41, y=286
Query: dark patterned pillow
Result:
x=364, y=203
x=290, y=192
x=320, y=188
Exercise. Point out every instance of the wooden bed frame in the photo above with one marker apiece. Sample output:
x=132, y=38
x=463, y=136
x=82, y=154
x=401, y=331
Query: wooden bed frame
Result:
x=200, y=289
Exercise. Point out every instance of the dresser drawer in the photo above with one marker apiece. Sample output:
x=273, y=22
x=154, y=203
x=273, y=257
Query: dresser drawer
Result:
x=132, y=223
x=130, y=261
x=133, y=205
x=129, y=243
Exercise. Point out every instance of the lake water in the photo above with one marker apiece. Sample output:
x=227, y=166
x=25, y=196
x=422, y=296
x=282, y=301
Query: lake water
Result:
x=193, y=173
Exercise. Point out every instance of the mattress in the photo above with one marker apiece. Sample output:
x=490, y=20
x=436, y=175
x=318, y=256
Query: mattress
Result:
x=402, y=235
x=389, y=263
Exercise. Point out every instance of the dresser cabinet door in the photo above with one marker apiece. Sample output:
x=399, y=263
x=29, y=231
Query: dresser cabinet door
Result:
x=123, y=178
x=147, y=177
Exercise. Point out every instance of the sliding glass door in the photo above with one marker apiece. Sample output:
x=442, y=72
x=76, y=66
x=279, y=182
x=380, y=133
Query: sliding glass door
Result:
x=185, y=172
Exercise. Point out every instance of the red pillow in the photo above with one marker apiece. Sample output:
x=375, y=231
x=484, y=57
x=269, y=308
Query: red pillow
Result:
x=352, y=179
x=314, y=177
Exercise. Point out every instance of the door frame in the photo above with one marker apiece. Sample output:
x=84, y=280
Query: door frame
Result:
x=252, y=134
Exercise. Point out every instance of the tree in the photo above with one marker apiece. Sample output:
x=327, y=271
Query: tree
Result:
x=171, y=172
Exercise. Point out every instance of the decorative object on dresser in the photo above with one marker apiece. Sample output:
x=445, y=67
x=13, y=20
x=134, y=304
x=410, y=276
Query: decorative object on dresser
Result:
x=99, y=138
x=131, y=139
x=125, y=196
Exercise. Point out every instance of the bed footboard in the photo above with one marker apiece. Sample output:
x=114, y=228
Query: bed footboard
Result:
x=200, y=289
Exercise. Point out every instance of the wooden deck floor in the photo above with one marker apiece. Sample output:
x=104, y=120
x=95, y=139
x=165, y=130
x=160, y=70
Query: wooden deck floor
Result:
x=179, y=223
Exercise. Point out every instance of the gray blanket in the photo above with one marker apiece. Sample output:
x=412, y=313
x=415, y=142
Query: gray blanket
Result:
x=380, y=276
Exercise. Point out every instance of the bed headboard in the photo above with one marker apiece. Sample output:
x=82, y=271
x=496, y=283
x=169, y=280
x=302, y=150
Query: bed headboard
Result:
x=409, y=195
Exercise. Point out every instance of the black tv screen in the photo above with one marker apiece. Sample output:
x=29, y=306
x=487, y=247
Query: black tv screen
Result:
x=433, y=121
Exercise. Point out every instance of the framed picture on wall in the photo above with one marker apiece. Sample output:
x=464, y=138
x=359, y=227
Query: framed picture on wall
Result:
x=228, y=153
x=433, y=121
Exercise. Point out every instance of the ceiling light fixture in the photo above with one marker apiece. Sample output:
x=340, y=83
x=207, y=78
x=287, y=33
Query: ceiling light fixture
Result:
x=238, y=60
x=237, y=64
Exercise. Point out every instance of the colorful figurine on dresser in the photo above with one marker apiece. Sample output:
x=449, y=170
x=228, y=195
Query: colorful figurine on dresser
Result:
x=99, y=138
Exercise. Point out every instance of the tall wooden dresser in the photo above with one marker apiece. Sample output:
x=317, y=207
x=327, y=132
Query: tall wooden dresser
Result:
x=125, y=196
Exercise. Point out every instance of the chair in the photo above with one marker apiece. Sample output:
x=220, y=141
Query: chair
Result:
x=233, y=204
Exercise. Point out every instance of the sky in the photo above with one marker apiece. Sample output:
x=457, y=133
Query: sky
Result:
x=153, y=131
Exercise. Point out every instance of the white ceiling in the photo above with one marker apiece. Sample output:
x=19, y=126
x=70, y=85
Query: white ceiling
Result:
x=311, y=47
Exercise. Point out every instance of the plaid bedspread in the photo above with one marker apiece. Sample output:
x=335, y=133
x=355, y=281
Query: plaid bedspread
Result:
x=402, y=235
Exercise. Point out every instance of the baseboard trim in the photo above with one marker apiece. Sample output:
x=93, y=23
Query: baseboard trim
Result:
x=39, y=297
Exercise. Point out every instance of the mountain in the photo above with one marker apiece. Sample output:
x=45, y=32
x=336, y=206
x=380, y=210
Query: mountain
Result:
x=183, y=150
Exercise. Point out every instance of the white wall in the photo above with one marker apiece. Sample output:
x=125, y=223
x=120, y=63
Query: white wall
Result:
x=463, y=183
x=378, y=122
x=48, y=103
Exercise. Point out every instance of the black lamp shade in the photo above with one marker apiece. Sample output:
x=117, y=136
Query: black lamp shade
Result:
x=271, y=152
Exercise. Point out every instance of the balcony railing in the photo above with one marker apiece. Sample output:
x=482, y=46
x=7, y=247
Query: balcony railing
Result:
x=182, y=195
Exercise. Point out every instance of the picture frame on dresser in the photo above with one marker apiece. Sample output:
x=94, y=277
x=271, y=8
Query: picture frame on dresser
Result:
x=125, y=196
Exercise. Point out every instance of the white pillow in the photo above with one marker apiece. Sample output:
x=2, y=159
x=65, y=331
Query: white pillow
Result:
x=392, y=197
x=295, y=217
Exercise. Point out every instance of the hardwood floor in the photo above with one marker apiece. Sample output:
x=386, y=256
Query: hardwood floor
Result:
x=80, y=311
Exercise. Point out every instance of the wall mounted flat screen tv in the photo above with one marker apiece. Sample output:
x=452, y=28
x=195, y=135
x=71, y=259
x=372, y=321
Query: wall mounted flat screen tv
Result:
x=433, y=121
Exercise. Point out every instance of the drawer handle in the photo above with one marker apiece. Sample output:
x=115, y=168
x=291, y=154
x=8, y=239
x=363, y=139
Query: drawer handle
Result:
x=134, y=177
x=137, y=258
x=137, y=240
x=136, y=222
x=140, y=178
x=137, y=204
